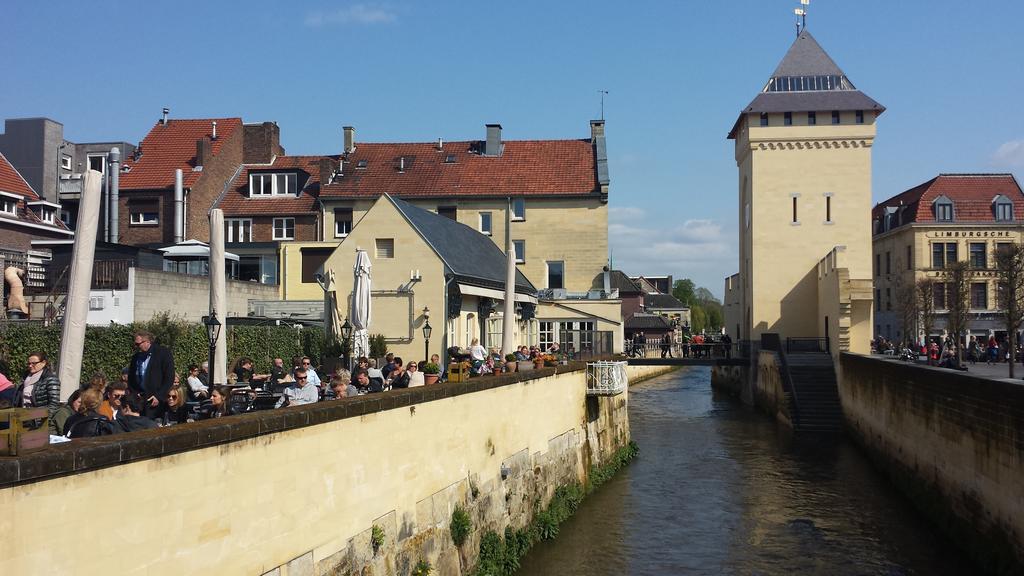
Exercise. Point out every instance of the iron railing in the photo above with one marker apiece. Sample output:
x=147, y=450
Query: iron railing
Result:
x=606, y=378
x=808, y=345
x=586, y=344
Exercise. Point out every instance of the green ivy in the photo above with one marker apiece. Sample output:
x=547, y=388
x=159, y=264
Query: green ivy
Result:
x=108, y=349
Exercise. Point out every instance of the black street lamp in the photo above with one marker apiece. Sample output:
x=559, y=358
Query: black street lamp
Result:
x=213, y=334
x=346, y=333
x=426, y=334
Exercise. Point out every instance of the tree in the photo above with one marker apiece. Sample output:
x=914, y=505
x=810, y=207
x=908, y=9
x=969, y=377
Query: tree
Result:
x=1009, y=263
x=906, y=307
x=958, y=284
x=924, y=289
x=684, y=291
x=698, y=319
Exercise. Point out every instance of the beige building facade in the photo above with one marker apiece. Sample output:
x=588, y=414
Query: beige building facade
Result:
x=803, y=149
x=918, y=233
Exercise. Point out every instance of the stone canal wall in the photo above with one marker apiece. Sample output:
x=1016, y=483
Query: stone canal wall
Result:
x=952, y=442
x=358, y=486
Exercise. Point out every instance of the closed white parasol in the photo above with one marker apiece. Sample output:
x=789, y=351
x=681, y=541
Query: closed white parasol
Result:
x=361, y=305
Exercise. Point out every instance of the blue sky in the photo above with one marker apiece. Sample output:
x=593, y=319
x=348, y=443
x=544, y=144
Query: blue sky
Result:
x=950, y=74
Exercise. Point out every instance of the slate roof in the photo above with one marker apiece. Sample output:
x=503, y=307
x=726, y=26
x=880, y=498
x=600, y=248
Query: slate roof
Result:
x=971, y=194
x=12, y=181
x=236, y=200
x=662, y=302
x=806, y=57
x=524, y=168
x=474, y=258
x=619, y=281
x=171, y=146
x=642, y=321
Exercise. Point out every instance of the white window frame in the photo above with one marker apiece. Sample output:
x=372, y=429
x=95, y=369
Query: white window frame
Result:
x=494, y=332
x=291, y=180
x=547, y=333
x=242, y=225
x=284, y=222
x=8, y=205
x=337, y=232
x=103, y=164
x=66, y=162
x=519, y=249
x=518, y=209
x=140, y=219
x=489, y=229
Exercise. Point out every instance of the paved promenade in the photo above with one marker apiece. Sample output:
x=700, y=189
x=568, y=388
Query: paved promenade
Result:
x=994, y=371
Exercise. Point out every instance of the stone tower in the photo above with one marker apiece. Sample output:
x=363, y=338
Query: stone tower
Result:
x=803, y=149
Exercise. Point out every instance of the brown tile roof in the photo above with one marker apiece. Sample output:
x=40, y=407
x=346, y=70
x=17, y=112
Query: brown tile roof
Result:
x=11, y=181
x=236, y=201
x=972, y=196
x=525, y=168
x=171, y=146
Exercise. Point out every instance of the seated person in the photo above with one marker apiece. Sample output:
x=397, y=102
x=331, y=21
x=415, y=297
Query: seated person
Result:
x=376, y=376
x=130, y=418
x=343, y=388
x=299, y=393
x=219, y=404
x=115, y=393
x=399, y=378
x=522, y=354
x=177, y=411
x=60, y=417
x=87, y=422
x=245, y=373
x=197, y=388
x=415, y=374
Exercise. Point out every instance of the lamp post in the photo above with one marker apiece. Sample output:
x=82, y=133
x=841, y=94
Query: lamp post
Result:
x=426, y=334
x=213, y=335
x=346, y=333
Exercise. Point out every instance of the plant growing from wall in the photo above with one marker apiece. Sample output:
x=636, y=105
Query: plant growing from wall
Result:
x=422, y=568
x=376, y=538
x=460, y=526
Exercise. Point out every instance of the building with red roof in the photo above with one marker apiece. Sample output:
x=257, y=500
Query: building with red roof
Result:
x=918, y=233
x=25, y=217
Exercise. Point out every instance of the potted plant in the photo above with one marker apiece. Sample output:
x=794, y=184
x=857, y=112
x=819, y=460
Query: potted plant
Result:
x=431, y=372
x=538, y=362
x=550, y=360
x=510, y=362
x=498, y=368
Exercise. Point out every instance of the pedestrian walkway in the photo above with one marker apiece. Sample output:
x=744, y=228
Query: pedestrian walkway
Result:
x=993, y=371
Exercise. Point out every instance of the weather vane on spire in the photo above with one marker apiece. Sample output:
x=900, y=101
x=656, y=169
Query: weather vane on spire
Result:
x=801, y=16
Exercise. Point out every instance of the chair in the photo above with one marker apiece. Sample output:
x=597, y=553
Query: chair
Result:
x=94, y=426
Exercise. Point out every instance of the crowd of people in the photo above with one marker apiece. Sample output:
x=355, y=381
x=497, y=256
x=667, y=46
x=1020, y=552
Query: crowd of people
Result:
x=150, y=393
x=945, y=352
x=685, y=345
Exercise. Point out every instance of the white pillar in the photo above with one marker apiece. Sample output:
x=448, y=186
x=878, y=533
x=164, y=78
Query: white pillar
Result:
x=218, y=295
x=76, y=312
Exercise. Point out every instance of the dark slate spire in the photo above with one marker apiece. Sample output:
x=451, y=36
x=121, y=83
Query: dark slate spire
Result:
x=808, y=80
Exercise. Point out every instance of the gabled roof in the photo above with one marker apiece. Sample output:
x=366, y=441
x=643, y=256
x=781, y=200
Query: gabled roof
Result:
x=806, y=59
x=618, y=280
x=641, y=321
x=662, y=302
x=170, y=146
x=971, y=194
x=472, y=257
x=236, y=200
x=12, y=181
x=524, y=168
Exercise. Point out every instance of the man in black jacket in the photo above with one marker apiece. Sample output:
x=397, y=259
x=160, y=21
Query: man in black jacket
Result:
x=151, y=374
x=129, y=419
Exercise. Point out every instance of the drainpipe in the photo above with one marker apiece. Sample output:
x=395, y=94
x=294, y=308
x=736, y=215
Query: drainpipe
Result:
x=179, y=208
x=115, y=182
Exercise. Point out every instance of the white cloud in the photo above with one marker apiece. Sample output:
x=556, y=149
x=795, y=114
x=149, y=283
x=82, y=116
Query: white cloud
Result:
x=1010, y=154
x=697, y=248
x=363, y=14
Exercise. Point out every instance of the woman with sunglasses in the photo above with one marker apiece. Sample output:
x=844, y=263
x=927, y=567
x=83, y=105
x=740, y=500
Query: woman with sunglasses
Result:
x=177, y=410
x=40, y=388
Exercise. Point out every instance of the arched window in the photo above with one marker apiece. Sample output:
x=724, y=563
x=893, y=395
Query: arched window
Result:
x=943, y=207
x=1002, y=208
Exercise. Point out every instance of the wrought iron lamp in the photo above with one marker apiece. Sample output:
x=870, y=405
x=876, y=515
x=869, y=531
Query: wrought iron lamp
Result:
x=426, y=333
x=213, y=327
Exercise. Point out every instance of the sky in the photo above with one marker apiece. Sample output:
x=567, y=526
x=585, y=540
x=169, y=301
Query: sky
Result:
x=677, y=74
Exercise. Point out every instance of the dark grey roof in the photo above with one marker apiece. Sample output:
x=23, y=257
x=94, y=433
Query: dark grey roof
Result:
x=619, y=281
x=472, y=257
x=806, y=59
x=648, y=322
x=662, y=302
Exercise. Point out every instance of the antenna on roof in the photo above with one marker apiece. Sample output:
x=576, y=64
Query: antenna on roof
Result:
x=602, y=92
x=801, y=16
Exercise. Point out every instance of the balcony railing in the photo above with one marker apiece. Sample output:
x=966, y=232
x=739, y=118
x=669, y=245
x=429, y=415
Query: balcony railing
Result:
x=606, y=378
x=563, y=294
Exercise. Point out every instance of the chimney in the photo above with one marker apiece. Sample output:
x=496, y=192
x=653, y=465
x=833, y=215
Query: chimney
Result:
x=440, y=144
x=114, y=198
x=492, y=147
x=350, y=139
x=179, y=207
x=204, y=150
x=600, y=154
x=401, y=164
x=596, y=130
x=213, y=134
x=607, y=280
x=326, y=171
x=163, y=120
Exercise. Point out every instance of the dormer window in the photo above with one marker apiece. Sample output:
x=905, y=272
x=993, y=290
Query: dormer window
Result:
x=361, y=164
x=943, y=209
x=273, y=184
x=1003, y=208
x=8, y=206
x=46, y=211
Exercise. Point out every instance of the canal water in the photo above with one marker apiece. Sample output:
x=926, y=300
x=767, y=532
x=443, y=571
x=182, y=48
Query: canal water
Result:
x=719, y=489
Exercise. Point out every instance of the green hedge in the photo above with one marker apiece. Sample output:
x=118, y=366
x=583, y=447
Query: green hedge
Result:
x=109, y=348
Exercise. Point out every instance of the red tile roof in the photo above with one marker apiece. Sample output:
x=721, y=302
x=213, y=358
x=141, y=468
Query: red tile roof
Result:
x=525, y=168
x=171, y=146
x=236, y=201
x=972, y=196
x=11, y=181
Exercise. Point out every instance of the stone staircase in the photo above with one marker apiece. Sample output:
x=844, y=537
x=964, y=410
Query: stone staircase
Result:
x=815, y=395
